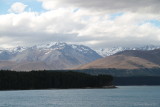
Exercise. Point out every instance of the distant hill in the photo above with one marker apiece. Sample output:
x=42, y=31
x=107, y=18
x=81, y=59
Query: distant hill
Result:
x=154, y=72
x=130, y=59
x=151, y=55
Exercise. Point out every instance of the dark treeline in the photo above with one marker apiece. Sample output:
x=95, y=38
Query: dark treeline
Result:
x=10, y=80
x=141, y=80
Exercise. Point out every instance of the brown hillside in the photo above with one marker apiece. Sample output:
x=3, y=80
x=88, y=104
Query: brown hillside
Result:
x=120, y=62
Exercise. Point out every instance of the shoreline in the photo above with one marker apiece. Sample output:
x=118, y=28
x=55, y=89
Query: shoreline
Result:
x=104, y=87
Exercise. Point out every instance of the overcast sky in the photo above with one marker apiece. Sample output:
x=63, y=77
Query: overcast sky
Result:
x=95, y=23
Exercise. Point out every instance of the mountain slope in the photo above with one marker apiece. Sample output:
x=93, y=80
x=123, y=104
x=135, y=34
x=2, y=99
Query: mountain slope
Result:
x=131, y=59
x=119, y=62
x=51, y=56
x=151, y=55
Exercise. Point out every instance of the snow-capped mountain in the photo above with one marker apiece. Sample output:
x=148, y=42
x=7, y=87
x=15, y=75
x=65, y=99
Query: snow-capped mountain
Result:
x=61, y=46
x=50, y=56
x=55, y=56
x=110, y=51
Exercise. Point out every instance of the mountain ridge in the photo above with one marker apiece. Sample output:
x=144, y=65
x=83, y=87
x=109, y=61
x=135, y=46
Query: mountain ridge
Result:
x=60, y=55
x=52, y=56
x=111, y=51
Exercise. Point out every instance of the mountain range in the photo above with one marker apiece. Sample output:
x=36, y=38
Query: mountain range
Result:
x=58, y=56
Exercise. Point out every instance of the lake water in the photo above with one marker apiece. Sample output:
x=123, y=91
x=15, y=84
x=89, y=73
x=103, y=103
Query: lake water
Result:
x=123, y=96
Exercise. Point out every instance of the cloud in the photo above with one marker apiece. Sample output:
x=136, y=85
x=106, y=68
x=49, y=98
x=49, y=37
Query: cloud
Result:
x=17, y=7
x=106, y=5
x=96, y=24
x=30, y=28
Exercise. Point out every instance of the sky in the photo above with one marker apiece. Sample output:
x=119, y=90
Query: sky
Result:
x=96, y=23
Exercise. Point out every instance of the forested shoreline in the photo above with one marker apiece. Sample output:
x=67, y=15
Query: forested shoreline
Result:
x=11, y=80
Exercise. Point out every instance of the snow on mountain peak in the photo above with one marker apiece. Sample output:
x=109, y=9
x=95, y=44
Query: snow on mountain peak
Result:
x=62, y=46
x=110, y=51
x=19, y=49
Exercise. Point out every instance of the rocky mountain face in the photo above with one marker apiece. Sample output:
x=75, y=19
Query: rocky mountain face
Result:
x=110, y=51
x=50, y=57
x=129, y=59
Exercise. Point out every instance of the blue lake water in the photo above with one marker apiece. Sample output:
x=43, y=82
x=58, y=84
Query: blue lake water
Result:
x=123, y=96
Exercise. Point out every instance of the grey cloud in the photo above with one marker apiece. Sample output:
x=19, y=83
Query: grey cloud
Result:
x=114, y=5
x=119, y=5
x=29, y=39
x=125, y=42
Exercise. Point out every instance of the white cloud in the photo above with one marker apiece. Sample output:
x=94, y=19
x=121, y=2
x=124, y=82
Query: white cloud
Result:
x=17, y=7
x=64, y=25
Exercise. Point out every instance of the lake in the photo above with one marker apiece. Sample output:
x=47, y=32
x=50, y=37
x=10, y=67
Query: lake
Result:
x=123, y=96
